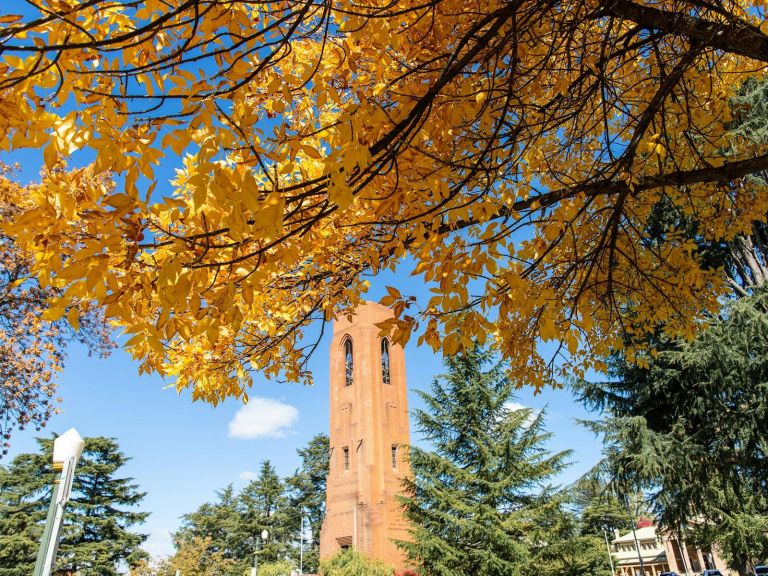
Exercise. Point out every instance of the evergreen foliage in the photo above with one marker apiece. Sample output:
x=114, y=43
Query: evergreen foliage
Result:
x=24, y=492
x=602, y=511
x=263, y=505
x=307, y=496
x=216, y=521
x=96, y=536
x=691, y=427
x=233, y=523
x=562, y=545
x=353, y=563
x=480, y=502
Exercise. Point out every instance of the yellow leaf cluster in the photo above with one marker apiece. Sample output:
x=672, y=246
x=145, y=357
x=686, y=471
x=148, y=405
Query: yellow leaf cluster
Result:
x=514, y=150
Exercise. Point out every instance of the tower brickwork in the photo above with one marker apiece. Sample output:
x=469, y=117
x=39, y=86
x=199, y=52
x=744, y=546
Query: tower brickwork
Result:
x=368, y=439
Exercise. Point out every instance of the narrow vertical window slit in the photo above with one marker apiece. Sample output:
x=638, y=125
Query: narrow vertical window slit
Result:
x=385, y=372
x=348, y=362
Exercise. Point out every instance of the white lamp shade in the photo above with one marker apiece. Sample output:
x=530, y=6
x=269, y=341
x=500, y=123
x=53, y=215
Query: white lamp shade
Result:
x=68, y=445
x=264, y=534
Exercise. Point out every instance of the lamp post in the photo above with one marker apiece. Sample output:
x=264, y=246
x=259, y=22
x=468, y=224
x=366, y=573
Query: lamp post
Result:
x=301, y=545
x=66, y=452
x=264, y=536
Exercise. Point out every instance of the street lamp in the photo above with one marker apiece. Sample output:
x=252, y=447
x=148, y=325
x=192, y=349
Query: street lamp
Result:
x=301, y=545
x=66, y=452
x=264, y=536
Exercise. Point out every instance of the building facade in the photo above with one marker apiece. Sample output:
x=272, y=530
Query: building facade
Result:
x=368, y=436
x=661, y=552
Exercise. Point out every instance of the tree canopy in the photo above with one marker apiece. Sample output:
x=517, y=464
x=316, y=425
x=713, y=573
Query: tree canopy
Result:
x=31, y=345
x=231, y=525
x=353, y=563
x=480, y=502
x=514, y=149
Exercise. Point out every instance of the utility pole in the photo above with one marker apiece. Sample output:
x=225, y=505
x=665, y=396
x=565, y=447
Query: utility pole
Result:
x=264, y=536
x=637, y=547
x=608, y=546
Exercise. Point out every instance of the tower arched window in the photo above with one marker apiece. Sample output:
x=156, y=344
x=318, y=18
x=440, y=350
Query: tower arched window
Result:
x=348, y=362
x=385, y=372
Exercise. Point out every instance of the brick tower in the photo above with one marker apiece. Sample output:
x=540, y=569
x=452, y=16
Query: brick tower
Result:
x=369, y=434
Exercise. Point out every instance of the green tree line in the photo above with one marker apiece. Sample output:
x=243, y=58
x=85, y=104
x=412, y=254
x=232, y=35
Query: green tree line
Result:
x=232, y=524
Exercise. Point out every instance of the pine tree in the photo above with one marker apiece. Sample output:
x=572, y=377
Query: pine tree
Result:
x=215, y=522
x=477, y=499
x=233, y=523
x=263, y=505
x=562, y=545
x=690, y=427
x=24, y=494
x=307, y=496
x=96, y=533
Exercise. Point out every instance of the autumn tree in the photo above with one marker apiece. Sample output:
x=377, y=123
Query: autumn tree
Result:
x=195, y=557
x=31, y=345
x=514, y=149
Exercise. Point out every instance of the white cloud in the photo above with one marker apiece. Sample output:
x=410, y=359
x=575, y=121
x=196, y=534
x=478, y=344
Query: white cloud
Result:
x=263, y=418
x=248, y=475
x=159, y=544
x=513, y=406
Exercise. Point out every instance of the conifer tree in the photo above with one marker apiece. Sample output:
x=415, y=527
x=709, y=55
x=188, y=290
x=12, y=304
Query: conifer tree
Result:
x=477, y=498
x=22, y=512
x=214, y=522
x=263, y=505
x=96, y=536
x=562, y=544
x=231, y=524
x=307, y=496
x=690, y=427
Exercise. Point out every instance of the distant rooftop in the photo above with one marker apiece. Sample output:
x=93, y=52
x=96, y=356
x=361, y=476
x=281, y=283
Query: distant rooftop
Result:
x=647, y=533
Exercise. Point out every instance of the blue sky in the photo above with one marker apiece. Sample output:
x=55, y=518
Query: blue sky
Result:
x=183, y=451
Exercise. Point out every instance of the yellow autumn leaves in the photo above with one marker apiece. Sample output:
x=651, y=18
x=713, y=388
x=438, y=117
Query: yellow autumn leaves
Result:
x=516, y=151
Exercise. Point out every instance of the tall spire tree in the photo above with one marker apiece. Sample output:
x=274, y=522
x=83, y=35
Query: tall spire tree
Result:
x=479, y=498
x=263, y=505
x=690, y=427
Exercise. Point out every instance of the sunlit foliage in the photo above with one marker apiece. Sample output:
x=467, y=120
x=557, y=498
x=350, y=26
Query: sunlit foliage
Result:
x=32, y=344
x=514, y=149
